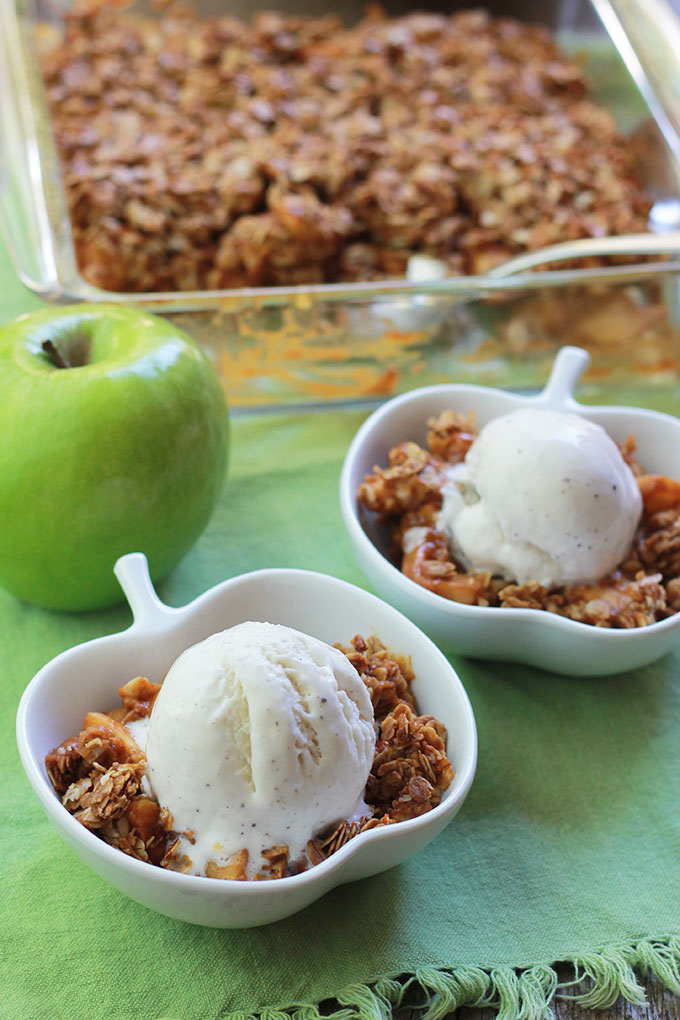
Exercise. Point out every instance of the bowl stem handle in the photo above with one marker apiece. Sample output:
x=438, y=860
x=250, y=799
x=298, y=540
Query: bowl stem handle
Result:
x=132, y=571
x=568, y=367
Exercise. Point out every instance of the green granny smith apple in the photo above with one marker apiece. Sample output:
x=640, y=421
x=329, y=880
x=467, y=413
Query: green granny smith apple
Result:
x=113, y=439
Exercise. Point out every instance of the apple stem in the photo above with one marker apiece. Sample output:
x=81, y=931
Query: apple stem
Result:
x=55, y=355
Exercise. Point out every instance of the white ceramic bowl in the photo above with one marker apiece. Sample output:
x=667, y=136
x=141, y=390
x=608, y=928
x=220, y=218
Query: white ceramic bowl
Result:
x=86, y=677
x=519, y=635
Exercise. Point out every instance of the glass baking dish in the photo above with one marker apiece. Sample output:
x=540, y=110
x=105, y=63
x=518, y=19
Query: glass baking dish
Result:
x=361, y=342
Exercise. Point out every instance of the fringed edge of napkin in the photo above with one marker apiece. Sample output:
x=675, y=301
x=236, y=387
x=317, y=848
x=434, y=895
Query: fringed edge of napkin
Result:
x=600, y=977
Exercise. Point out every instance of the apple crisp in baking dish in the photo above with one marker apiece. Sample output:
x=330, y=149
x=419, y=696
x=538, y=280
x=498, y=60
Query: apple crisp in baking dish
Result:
x=212, y=153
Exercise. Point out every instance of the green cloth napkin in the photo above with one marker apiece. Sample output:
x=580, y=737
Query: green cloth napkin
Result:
x=567, y=849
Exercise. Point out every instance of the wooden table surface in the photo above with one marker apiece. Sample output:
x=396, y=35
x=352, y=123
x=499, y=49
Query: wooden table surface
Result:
x=662, y=1005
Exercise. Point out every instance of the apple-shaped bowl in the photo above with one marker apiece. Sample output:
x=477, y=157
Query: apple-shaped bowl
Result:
x=87, y=676
x=530, y=636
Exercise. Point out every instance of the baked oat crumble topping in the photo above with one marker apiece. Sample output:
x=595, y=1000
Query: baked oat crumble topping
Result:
x=214, y=153
x=407, y=496
x=98, y=774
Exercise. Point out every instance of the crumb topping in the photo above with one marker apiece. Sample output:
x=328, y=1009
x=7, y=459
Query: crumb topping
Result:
x=407, y=496
x=98, y=774
x=212, y=152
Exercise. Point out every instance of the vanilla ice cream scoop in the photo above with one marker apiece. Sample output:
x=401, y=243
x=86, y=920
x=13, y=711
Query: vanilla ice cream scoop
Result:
x=260, y=736
x=541, y=496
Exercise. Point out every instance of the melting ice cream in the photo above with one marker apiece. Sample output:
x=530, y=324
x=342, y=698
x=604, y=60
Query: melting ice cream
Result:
x=260, y=736
x=541, y=496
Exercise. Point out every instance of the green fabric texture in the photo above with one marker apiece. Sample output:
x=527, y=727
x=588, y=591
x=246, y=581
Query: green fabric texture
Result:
x=567, y=848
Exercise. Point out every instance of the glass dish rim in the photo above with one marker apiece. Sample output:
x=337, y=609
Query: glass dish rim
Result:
x=58, y=278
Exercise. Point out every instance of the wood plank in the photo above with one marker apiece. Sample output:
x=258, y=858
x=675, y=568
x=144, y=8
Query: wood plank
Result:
x=662, y=1005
